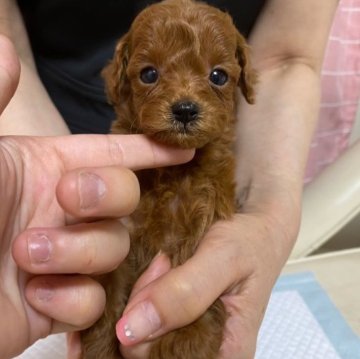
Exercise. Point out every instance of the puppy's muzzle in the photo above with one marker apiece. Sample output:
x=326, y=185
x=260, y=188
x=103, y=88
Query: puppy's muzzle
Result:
x=185, y=111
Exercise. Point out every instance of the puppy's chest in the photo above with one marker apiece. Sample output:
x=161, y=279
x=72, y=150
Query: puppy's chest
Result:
x=176, y=209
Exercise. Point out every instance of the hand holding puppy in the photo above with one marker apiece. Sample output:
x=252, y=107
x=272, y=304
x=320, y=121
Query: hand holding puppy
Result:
x=227, y=265
x=59, y=196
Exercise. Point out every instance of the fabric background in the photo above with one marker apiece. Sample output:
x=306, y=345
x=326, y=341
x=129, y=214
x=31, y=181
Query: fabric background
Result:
x=340, y=89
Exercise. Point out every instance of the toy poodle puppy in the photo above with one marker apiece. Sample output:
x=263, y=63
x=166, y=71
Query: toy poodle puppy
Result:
x=175, y=77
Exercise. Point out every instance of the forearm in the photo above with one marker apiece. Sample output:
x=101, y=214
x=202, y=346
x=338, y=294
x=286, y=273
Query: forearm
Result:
x=31, y=111
x=274, y=135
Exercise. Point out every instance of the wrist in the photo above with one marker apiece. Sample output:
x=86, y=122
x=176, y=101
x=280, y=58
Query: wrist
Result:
x=279, y=208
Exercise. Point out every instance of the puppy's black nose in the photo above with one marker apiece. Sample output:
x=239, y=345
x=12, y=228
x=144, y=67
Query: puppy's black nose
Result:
x=185, y=111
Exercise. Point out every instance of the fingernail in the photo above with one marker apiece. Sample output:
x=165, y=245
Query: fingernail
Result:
x=91, y=189
x=39, y=248
x=138, y=324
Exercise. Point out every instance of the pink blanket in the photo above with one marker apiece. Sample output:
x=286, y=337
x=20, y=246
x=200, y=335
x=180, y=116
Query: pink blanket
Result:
x=340, y=89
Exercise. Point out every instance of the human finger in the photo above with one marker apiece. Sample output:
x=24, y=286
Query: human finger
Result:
x=179, y=297
x=9, y=71
x=87, y=248
x=73, y=345
x=157, y=268
x=72, y=302
x=99, y=192
x=131, y=151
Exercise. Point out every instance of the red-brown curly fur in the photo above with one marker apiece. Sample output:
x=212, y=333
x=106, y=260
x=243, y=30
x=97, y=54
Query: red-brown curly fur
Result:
x=184, y=40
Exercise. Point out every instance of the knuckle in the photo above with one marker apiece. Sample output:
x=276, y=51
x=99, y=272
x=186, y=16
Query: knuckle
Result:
x=89, y=250
x=115, y=150
x=187, y=300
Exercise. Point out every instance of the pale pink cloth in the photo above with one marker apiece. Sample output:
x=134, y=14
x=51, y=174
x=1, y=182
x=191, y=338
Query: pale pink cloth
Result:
x=340, y=89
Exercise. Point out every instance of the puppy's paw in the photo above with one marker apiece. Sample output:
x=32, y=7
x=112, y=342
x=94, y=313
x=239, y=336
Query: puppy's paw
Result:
x=199, y=340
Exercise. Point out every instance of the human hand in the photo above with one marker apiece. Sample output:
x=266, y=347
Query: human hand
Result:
x=57, y=218
x=60, y=197
x=238, y=261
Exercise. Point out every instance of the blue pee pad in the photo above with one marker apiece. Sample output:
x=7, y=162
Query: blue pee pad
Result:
x=301, y=322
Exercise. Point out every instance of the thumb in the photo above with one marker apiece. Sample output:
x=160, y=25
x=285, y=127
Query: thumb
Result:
x=158, y=267
x=9, y=71
x=179, y=296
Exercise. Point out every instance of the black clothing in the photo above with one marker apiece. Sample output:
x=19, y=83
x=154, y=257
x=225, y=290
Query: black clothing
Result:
x=72, y=40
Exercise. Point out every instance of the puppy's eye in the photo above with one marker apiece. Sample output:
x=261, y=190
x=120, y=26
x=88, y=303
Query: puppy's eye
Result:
x=149, y=75
x=218, y=77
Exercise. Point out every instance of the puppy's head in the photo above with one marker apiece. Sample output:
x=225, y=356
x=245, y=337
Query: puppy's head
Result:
x=177, y=70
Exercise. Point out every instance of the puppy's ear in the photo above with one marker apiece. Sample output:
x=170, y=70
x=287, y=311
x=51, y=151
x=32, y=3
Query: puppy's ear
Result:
x=114, y=73
x=248, y=77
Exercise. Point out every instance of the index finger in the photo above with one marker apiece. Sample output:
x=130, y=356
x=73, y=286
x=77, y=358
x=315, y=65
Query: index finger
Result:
x=131, y=151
